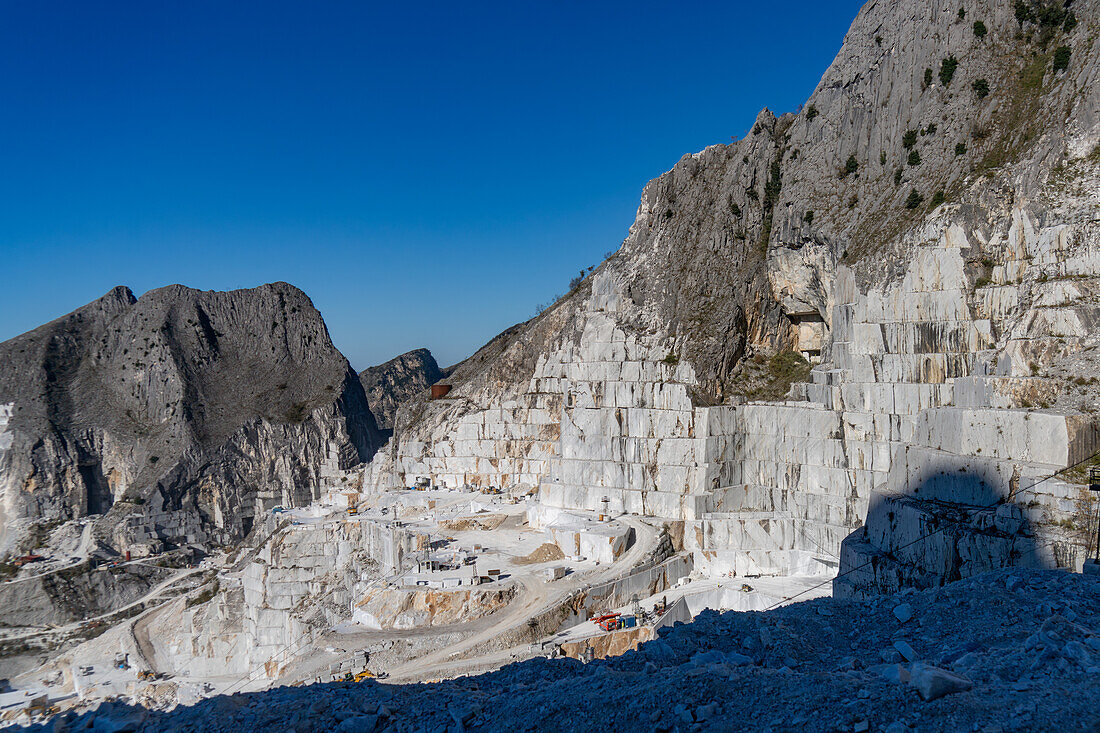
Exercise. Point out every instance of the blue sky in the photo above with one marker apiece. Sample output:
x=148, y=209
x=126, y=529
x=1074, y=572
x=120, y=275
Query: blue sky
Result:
x=427, y=172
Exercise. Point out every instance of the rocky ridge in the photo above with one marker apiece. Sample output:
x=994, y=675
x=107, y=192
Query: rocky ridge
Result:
x=399, y=379
x=179, y=416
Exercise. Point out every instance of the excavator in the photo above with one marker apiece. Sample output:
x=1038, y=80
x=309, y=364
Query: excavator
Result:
x=363, y=676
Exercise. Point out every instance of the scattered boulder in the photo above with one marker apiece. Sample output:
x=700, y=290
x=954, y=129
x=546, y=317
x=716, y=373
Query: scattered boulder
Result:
x=903, y=613
x=933, y=683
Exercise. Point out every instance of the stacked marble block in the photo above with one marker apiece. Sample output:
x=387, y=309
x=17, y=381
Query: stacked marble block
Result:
x=806, y=469
x=319, y=562
x=157, y=523
x=973, y=491
x=629, y=433
x=505, y=446
x=787, y=496
x=581, y=536
x=972, y=486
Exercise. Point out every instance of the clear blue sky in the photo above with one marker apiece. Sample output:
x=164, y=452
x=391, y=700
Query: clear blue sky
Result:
x=427, y=172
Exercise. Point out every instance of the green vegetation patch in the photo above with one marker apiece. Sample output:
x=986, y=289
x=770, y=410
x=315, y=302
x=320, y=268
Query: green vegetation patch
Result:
x=947, y=69
x=1061, y=58
x=770, y=378
x=204, y=596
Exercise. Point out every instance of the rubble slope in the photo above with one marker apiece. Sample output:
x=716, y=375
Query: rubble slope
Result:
x=1008, y=650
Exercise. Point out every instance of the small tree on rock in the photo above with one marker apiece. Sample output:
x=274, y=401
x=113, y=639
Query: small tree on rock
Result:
x=1061, y=58
x=947, y=69
x=979, y=29
x=914, y=200
x=851, y=166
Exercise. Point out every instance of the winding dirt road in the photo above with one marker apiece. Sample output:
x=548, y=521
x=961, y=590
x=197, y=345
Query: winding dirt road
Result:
x=535, y=598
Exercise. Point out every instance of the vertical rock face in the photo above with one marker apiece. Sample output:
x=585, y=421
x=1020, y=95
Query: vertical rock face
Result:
x=183, y=411
x=399, y=379
x=923, y=231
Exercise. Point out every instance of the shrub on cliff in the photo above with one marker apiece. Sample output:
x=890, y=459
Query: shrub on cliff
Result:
x=947, y=69
x=1061, y=58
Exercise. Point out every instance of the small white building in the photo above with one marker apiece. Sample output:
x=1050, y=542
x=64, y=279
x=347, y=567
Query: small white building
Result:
x=444, y=577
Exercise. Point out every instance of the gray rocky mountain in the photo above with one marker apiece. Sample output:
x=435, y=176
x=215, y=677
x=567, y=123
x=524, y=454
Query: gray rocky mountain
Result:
x=399, y=379
x=180, y=415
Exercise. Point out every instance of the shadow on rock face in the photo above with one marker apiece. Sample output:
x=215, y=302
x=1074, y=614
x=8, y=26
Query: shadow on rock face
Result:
x=955, y=521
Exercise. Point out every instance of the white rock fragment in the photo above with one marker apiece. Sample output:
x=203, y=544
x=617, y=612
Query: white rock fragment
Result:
x=905, y=651
x=903, y=613
x=933, y=683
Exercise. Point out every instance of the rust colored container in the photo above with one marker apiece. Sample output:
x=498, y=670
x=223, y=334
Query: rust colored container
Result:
x=440, y=390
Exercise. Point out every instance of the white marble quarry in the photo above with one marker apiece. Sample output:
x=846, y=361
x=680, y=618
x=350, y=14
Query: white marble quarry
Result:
x=312, y=561
x=921, y=390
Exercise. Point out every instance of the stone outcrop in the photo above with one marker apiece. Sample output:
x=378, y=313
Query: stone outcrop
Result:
x=410, y=608
x=195, y=409
x=300, y=579
x=399, y=379
x=927, y=245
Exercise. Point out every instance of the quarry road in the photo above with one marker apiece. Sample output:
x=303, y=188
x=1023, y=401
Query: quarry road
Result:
x=153, y=593
x=528, y=602
x=535, y=598
x=145, y=561
x=43, y=575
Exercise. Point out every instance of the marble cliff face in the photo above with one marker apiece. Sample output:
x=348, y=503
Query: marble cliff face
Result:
x=926, y=239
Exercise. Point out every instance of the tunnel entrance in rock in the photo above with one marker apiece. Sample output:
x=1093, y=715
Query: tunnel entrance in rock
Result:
x=96, y=487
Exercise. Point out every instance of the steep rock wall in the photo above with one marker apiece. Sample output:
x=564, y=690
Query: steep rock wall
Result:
x=405, y=376
x=928, y=244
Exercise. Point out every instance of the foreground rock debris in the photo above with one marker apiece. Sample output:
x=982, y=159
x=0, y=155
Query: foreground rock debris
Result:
x=1009, y=650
